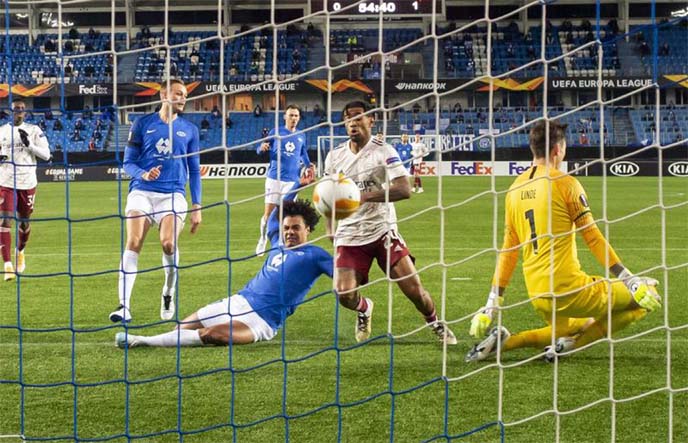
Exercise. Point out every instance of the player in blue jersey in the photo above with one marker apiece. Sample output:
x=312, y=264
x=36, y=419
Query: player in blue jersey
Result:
x=259, y=310
x=283, y=174
x=157, y=192
x=404, y=150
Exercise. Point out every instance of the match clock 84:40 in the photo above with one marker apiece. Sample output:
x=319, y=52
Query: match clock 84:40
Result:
x=375, y=7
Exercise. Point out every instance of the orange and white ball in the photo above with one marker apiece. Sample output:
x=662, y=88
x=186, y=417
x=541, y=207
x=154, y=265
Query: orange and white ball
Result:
x=338, y=191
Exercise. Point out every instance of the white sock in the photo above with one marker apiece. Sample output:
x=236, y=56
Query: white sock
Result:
x=263, y=226
x=169, y=262
x=178, y=337
x=130, y=265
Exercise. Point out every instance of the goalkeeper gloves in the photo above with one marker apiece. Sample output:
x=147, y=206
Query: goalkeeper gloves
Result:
x=24, y=137
x=643, y=290
x=481, y=321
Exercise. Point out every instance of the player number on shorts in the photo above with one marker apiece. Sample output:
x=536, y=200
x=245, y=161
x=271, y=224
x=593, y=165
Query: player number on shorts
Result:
x=530, y=215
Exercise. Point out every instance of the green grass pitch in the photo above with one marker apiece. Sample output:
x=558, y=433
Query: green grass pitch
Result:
x=74, y=376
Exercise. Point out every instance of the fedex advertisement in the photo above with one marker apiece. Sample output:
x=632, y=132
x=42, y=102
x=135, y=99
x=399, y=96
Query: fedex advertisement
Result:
x=477, y=168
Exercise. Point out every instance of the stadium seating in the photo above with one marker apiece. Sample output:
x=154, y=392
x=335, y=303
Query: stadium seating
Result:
x=673, y=125
x=675, y=36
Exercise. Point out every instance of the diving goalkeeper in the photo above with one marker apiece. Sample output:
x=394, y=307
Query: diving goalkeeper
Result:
x=550, y=262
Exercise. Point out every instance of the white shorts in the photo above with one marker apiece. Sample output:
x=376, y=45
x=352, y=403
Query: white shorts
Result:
x=157, y=205
x=236, y=308
x=275, y=190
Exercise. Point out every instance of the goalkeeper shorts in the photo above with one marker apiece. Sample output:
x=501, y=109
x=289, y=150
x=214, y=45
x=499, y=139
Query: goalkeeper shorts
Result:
x=590, y=302
x=236, y=308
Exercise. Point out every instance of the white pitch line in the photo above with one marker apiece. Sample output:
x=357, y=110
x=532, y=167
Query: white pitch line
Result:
x=461, y=278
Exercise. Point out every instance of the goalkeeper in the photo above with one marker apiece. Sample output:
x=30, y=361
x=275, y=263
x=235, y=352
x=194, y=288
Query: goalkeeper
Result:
x=550, y=262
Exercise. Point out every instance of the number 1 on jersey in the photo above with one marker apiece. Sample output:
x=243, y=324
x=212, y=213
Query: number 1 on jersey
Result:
x=530, y=215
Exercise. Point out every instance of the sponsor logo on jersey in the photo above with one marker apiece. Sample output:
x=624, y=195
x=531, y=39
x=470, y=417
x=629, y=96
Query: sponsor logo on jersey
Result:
x=583, y=200
x=150, y=131
x=181, y=133
x=624, y=169
x=679, y=169
x=163, y=146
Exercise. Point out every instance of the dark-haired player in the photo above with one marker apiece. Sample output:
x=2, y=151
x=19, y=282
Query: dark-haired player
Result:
x=258, y=310
x=371, y=233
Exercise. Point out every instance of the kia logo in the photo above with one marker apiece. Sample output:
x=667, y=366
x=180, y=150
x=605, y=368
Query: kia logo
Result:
x=624, y=169
x=679, y=169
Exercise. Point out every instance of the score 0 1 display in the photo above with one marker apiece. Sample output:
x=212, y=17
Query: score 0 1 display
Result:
x=374, y=7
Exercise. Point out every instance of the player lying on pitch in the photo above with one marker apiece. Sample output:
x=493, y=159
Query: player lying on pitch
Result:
x=550, y=263
x=258, y=310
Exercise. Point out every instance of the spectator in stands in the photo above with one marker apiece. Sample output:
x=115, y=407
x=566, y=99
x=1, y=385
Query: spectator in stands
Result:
x=613, y=26
x=79, y=124
x=57, y=126
x=569, y=38
x=49, y=46
x=583, y=138
x=215, y=112
x=205, y=124
x=97, y=134
x=92, y=34
x=153, y=69
x=108, y=65
x=92, y=145
x=76, y=136
x=145, y=32
x=88, y=47
x=73, y=33
x=233, y=70
x=664, y=49
x=644, y=48
x=42, y=125
x=48, y=114
x=257, y=111
x=566, y=26
x=58, y=147
x=586, y=25
x=228, y=121
x=416, y=108
x=457, y=108
x=69, y=46
x=589, y=37
x=449, y=66
x=99, y=123
x=89, y=71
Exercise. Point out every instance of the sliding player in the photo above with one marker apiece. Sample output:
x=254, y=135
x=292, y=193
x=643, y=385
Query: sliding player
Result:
x=582, y=301
x=371, y=233
x=287, y=152
x=157, y=192
x=258, y=311
x=21, y=144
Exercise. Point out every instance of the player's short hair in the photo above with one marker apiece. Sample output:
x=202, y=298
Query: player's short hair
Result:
x=18, y=99
x=302, y=208
x=172, y=80
x=292, y=107
x=355, y=104
x=557, y=134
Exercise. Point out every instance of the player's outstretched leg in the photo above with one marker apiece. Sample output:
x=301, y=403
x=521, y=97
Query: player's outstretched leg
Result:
x=497, y=336
x=563, y=344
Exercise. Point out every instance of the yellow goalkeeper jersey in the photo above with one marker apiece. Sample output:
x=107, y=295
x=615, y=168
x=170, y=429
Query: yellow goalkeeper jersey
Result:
x=548, y=247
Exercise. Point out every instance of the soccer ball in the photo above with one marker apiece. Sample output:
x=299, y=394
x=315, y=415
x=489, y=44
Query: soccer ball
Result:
x=340, y=191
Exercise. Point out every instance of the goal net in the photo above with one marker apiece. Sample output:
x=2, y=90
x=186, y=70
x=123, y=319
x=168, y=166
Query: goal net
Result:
x=472, y=79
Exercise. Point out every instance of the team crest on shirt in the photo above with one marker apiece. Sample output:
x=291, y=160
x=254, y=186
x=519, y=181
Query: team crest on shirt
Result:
x=163, y=146
x=277, y=261
x=290, y=147
x=583, y=200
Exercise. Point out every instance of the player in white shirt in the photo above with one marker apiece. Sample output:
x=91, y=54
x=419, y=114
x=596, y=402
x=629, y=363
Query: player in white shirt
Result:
x=418, y=151
x=371, y=232
x=20, y=144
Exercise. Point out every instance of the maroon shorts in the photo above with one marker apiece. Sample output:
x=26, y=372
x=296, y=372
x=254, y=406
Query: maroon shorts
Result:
x=360, y=258
x=25, y=199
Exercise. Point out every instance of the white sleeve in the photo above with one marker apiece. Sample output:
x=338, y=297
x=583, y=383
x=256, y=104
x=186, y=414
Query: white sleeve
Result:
x=395, y=168
x=39, y=144
x=328, y=164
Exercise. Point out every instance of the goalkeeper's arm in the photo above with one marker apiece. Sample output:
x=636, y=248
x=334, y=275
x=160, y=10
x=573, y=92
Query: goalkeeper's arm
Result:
x=506, y=264
x=642, y=288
